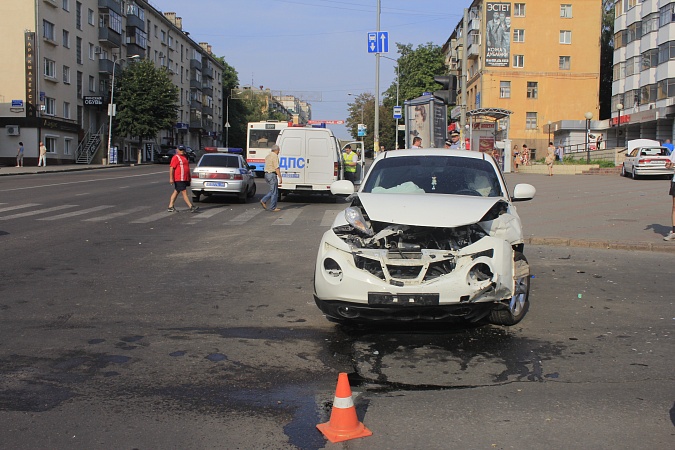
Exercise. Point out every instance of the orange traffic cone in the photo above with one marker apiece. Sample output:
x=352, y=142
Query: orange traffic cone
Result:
x=343, y=424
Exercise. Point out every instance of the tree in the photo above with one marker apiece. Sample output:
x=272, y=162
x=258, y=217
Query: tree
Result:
x=362, y=110
x=147, y=101
x=606, y=58
x=235, y=109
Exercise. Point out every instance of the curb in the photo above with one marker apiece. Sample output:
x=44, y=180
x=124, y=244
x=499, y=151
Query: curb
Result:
x=606, y=245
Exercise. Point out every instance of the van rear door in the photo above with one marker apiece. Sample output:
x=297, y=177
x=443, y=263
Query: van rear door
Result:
x=292, y=161
x=321, y=159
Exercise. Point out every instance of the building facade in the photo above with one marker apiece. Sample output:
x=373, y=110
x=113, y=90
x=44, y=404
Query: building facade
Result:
x=643, y=87
x=539, y=60
x=59, y=63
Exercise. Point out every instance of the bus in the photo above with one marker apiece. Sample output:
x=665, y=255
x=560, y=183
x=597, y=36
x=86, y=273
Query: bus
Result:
x=260, y=137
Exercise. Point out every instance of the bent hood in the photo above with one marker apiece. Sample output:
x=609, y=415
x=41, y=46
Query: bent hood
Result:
x=439, y=210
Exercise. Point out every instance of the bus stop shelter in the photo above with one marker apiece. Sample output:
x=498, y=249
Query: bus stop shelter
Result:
x=501, y=135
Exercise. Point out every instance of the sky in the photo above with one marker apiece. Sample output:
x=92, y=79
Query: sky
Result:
x=314, y=49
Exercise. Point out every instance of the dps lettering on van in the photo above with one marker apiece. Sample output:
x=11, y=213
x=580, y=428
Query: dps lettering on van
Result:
x=310, y=160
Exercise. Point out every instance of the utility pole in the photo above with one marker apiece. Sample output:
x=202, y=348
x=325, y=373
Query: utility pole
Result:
x=465, y=59
x=376, y=135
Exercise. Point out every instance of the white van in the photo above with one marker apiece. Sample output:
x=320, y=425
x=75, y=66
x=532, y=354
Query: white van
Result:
x=310, y=160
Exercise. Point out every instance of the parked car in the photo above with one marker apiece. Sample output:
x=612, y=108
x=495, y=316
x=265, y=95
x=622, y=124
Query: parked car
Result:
x=646, y=160
x=223, y=173
x=166, y=153
x=432, y=235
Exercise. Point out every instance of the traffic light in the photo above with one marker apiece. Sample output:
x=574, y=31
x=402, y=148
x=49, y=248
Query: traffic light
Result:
x=449, y=92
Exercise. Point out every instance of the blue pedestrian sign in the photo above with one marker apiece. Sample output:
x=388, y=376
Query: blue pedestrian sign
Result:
x=378, y=42
x=398, y=112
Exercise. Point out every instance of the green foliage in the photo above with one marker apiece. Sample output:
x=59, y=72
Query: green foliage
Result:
x=146, y=100
x=235, y=110
x=606, y=58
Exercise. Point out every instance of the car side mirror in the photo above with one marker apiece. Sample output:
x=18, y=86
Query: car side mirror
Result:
x=523, y=192
x=342, y=188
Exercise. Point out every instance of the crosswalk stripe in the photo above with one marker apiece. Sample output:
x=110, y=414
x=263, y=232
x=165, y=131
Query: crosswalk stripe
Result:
x=287, y=217
x=37, y=211
x=12, y=208
x=116, y=214
x=153, y=217
x=246, y=216
x=77, y=213
x=208, y=213
x=329, y=217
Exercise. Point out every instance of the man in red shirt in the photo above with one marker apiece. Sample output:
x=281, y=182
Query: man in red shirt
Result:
x=179, y=178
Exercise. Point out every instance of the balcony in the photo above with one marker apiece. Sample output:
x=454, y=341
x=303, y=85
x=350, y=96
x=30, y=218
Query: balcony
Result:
x=209, y=110
x=196, y=64
x=473, y=52
x=207, y=72
x=52, y=3
x=196, y=84
x=135, y=21
x=207, y=90
x=113, y=5
x=195, y=124
x=105, y=66
x=109, y=37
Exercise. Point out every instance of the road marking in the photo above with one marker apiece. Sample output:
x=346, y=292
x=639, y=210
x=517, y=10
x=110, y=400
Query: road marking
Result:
x=12, y=208
x=82, y=181
x=329, y=217
x=288, y=216
x=77, y=213
x=116, y=214
x=37, y=211
x=248, y=215
x=208, y=213
x=161, y=215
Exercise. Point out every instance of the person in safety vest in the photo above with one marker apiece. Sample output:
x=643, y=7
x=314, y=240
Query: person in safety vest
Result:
x=350, y=159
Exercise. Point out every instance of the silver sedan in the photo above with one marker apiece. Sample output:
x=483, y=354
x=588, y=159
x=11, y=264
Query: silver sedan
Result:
x=223, y=173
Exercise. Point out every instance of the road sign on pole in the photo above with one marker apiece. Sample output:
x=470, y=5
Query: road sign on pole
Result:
x=378, y=42
x=398, y=112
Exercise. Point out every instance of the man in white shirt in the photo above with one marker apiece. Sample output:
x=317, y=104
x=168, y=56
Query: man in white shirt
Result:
x=417, y=142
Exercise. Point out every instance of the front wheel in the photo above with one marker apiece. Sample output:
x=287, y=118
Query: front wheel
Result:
x=623, y=170
x=512, y=311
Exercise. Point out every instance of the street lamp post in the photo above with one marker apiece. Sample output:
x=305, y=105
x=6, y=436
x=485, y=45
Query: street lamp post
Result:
x=549, y=131
x=111, y=107
x=588, y=116
x=619, y=107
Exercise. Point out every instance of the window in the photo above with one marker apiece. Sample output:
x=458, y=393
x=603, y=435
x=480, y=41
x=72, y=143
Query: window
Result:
x=532, y=89
x=49, y=68
x=504, y=89
x=565, y=37
x=66, y=74
x=66, y=5
x=50, y=143
x=648, y=93
x=518, y=60
x=667, y=14
x=566, y=11
x=650, y=23
x=78, y=49
x=650, y=59
x=114, y=21
x=163, y=36
x=519, y=9
x=67, y=144
x=634, y=32
x=92, y=84
x=66, y=39
x=92, y=51
x=666, y=52
x=48, y=30
x=531, y=121
x=666, y=88
x=50, y=106
x=79, y=84
x=518, y=35
x=78, y=15
x=564, y=62
x=66, y=110
x=90, y=17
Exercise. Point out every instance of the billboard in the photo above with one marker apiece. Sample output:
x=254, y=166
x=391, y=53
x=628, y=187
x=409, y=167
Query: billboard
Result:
x=498, y=34
x=426, y=118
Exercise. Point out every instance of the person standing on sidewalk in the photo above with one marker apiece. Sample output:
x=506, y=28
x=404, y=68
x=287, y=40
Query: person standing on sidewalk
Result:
x=669, y=165
x=42, y=159
x=550, y=158
x=179, y=178
x=19, y=155
x=273, y=179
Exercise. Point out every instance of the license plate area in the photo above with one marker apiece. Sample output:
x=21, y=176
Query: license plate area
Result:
x=214, y=184
x=386, y=298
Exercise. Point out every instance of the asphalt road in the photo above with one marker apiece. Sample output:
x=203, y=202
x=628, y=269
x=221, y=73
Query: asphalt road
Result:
x=123, y=326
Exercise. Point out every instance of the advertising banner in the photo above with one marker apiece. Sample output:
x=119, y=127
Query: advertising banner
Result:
x=498, y=34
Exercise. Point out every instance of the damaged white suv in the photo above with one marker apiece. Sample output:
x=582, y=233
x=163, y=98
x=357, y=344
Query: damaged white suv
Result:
x=432, y=235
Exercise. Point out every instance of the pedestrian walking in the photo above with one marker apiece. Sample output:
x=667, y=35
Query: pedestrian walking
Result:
x=454, y=140
x=273, y=179
x=669, y=165
x=559, y=154
x=526, y=156
x=667, y=144
x=42, y=159
x=516, y=157
x=550, y=158
x=19, y=155
x=179, y=178
x=417, y=142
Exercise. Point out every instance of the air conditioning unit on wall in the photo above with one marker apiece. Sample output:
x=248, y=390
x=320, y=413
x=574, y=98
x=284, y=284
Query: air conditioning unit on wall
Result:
x=12, y=130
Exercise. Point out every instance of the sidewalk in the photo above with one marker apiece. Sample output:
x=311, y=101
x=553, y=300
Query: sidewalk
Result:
x=607, y=212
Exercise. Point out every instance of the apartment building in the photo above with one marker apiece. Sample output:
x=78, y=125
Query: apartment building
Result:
x=537, y=62
x=59, y=61
x=643, y=87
